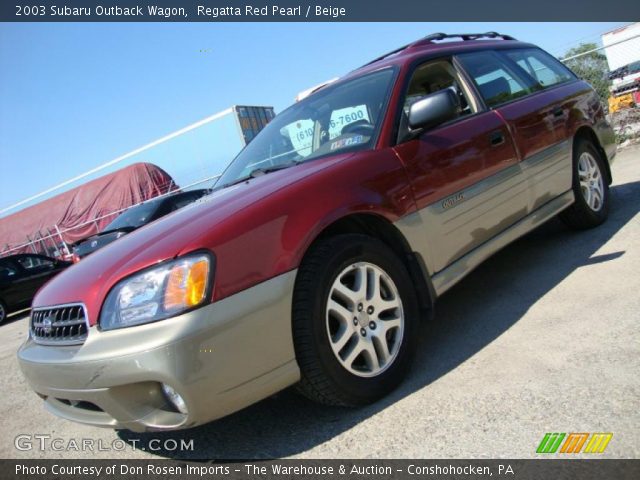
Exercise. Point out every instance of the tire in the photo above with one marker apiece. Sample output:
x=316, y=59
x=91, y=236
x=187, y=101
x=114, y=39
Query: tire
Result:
x=590, y=188
x=3, y=312
x=331, y=268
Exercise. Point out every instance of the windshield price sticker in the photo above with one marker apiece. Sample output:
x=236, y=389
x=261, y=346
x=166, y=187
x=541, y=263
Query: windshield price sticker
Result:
x=347, y=142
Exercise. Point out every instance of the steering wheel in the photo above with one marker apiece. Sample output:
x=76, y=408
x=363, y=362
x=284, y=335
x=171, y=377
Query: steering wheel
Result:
x=363, y=127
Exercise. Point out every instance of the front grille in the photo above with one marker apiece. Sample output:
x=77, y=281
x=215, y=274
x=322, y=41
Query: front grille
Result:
x=63, y=325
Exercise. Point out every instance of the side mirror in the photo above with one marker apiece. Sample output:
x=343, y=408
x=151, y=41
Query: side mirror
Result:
x=434, y=109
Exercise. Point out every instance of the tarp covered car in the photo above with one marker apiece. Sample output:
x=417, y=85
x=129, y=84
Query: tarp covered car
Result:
x=82, y=211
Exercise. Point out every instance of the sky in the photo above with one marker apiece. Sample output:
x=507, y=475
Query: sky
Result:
x=73, y=96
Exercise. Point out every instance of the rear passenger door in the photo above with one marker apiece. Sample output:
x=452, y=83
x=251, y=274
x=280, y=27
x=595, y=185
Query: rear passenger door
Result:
x=554, y=175
x=533, y=114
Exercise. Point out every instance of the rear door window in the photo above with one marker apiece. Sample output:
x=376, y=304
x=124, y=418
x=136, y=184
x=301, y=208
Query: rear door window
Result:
x=497, y=81
x=545, y=70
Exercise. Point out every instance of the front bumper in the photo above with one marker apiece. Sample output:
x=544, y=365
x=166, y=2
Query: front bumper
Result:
x=219, y=358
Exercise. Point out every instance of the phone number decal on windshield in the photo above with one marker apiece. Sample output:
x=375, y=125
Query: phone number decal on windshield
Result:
x=348, y=118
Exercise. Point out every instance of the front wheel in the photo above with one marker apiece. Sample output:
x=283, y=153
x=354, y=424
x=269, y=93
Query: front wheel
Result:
x=590, y=188
x=355, y=319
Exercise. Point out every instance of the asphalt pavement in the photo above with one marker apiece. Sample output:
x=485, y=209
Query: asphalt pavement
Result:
x=543, y=337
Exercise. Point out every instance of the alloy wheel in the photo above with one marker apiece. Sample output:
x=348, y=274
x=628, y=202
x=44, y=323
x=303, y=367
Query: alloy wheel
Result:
x=591, y=183
x=364, y=319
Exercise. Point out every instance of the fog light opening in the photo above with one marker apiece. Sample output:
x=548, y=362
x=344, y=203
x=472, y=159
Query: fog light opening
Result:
x=174, y=398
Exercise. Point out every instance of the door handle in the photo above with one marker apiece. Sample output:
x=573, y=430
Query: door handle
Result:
x=558, y=112
x=496, y=138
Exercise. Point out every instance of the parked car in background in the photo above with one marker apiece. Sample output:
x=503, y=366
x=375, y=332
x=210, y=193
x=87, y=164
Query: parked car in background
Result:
x=134, y=218
x=20, y=278
x=327, y=240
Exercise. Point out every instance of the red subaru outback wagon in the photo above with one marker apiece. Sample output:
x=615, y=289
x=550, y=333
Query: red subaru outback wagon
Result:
x=326, y=240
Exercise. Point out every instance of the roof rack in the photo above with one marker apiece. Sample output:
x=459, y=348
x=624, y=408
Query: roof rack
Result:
x=436, y=37
x=463, y=36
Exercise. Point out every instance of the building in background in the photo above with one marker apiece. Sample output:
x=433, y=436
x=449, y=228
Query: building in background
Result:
x=251, y=120
x=622, y=46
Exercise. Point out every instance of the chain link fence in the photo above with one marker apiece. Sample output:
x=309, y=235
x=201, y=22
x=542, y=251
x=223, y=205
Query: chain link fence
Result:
x=610, y=61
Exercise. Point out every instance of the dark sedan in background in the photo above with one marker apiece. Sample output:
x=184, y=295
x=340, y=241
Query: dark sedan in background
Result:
x=134, y=218
x=20, y=278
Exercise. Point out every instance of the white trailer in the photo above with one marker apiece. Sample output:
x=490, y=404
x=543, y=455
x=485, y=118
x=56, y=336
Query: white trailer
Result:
x=622, y=46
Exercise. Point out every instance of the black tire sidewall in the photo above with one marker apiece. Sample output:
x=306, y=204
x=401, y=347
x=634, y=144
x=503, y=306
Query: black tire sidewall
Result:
x=362, y=390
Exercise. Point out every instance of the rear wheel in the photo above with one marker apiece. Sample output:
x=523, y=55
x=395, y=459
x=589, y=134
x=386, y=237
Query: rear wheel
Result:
x=590, y=187
x=355, y=317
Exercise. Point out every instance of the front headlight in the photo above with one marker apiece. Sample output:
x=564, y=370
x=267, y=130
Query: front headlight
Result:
x=157, y=293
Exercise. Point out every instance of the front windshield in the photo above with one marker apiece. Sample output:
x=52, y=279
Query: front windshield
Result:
x=341, y=117
x=134, y=217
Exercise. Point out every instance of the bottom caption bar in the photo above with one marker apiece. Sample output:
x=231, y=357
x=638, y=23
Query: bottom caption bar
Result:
x=583, y=469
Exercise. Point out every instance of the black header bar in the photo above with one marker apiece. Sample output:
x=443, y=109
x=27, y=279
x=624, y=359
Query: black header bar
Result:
x=317, y=10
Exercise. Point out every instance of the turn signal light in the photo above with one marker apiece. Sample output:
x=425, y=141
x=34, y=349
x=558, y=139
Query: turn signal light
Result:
x=186, y=285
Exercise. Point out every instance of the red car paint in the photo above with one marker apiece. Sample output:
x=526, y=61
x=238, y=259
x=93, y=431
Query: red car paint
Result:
x=262, y=228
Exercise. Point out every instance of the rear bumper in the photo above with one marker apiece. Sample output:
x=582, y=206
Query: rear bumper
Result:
x=219, y=358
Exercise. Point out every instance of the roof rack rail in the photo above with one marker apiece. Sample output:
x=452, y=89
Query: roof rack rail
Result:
x=388, y=54
x=442, y=36
x=463, y=36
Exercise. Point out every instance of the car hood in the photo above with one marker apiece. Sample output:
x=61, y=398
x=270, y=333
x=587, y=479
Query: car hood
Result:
x=90, y=280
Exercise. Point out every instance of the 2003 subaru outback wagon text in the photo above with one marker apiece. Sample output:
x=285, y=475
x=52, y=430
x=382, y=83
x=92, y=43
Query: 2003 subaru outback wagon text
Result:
x=326, y=240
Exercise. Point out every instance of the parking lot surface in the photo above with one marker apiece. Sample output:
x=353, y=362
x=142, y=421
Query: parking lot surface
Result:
x=543, y=337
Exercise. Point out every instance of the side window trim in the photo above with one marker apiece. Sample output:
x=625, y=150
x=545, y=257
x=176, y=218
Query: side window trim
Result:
x=471, y=85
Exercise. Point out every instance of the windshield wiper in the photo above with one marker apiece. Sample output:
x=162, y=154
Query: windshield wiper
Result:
x=258, y=172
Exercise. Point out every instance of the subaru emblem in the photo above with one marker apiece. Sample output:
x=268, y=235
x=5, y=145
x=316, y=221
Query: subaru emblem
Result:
x=47, y=325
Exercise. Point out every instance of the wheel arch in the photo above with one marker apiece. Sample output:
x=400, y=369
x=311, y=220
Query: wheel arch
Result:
x=377, y=226
x=587, y=133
